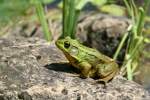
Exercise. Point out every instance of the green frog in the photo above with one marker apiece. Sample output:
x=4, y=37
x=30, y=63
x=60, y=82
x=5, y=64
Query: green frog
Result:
x=89, y=61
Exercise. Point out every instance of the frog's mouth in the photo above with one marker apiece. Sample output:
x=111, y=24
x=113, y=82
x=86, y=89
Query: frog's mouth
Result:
x=59, y=44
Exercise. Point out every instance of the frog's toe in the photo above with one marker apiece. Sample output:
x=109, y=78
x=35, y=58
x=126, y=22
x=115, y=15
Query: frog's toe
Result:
x=101, y=81
x=83, y=76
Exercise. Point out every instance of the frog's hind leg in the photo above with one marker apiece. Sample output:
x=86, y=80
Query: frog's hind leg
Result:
x=107, y=71
x=108, y=78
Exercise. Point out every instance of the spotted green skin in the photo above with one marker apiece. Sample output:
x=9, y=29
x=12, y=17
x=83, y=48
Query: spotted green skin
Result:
x=89, y=61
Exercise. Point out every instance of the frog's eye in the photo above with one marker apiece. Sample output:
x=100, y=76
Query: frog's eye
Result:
x=66, y=44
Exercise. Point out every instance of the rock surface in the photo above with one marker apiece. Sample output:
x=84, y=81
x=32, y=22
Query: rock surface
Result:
x=103, y=32
x=30, y=69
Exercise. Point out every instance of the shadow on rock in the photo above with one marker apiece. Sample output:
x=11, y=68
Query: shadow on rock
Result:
x=65, y=67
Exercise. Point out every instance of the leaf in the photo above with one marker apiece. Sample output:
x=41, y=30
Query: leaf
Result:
x=113, y=9
x=146, y=40
x=98, y=2
x=47, y=1
x=9, y=9
x=43, y=1
x=81, y=3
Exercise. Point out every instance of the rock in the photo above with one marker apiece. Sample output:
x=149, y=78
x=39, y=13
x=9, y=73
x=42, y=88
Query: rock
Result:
x=30, y=69
x=103, y=32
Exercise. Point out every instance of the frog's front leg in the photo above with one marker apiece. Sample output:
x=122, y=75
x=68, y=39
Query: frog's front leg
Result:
x=107, y=71
x=85, y=68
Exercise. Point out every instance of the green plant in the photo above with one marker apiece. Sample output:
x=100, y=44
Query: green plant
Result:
x=69, y=18
x=136, y=38
x=10, y=11
x=71, y=11
x=41, y=15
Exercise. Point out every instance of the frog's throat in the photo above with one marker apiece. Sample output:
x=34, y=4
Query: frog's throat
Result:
x=70, y=58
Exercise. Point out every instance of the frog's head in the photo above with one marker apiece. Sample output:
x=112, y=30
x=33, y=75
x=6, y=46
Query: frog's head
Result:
x=69, y=46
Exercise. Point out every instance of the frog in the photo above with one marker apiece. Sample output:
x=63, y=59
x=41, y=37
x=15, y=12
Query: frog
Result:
x=90, y=62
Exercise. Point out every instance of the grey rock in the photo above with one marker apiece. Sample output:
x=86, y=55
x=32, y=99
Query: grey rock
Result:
x=103, y=32
x=31, y=70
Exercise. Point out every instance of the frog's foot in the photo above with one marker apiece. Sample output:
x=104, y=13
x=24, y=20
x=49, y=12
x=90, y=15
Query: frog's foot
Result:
x=103, y=80
x=107, y=78
x=83, y=76
x=96, y=82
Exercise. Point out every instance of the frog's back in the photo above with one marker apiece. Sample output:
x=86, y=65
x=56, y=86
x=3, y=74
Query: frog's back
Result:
x=92, y=55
